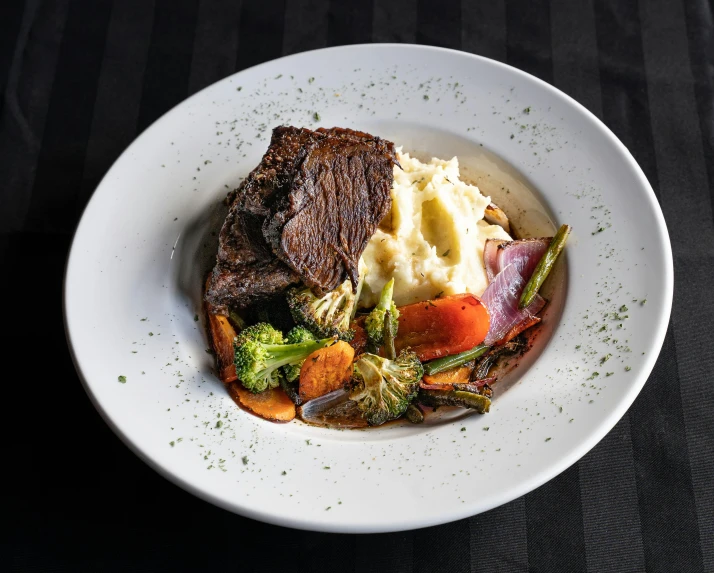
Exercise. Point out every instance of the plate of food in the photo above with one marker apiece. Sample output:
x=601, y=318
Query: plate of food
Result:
x=368, y=288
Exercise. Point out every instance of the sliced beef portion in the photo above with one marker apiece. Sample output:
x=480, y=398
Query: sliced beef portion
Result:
x=274, y=175
x=305, y=214
x=249, y=284
x=339, y=195
x=241, y=240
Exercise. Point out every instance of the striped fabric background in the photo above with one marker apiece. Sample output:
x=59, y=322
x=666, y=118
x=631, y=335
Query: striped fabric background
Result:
x=81, y=78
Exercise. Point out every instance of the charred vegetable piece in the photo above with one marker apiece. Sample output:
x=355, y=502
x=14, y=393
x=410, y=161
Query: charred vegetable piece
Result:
x=443, y=326
x=449, y=362
x=326, y=370
x=374, y=323
x=297, y=334
x=414, y=414
x=260, y=353
x=483, y=366
x=327, y=315
x=494, y=215
x=461, y=398
x=273, y=404
x=544, y=266
x=292, y=390
x=359, y=341
x=222, y=336
x=384, y=388
x=334, y=410
x=482, y=387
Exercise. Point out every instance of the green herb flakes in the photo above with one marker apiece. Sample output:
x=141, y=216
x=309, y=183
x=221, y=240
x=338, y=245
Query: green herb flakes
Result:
x=122, y=379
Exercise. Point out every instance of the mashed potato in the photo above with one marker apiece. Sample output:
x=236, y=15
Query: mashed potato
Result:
x=432, y=241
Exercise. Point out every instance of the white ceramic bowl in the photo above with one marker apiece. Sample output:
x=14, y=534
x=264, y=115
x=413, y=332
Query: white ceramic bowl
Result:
x=132, y=290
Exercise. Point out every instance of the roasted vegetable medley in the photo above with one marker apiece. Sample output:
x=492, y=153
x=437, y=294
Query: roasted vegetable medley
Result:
x=343, y=368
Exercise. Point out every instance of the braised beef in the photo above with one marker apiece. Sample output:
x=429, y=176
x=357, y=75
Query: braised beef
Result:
x=272, y=178
x=339, y=195
x=305, y=213
x=248, y=285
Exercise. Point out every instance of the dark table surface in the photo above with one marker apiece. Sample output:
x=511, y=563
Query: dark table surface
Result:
x=81, y=78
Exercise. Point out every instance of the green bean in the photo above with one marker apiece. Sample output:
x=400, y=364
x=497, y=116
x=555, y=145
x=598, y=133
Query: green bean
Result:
x=449, y=362
x=544, y=266
x=471, y=400
x=389, y=350
x=414, y=414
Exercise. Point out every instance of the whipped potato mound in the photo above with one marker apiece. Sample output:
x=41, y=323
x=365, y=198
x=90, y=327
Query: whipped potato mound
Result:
x=432, y=240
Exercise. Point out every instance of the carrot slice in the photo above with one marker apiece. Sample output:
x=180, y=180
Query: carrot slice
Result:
x=326, y=370
x=455, y=375
x=222, y=333
x=273, y=404
x=443, y=326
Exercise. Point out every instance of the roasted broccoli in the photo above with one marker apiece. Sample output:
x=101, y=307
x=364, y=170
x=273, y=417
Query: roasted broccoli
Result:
x=296, y=335
x=327, y=315
x=374, y=323
x=262, y=332
x=260, y=352
x=383, y=388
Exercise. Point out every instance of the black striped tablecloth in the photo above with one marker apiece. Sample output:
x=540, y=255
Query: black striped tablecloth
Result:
x=81, y=78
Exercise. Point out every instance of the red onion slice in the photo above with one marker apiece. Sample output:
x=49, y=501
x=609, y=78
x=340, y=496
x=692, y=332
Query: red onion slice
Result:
x=525, y=254
x=490, y=257
x=501, y=299
x=334, y=410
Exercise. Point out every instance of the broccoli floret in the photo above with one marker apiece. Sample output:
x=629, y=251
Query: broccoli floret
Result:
x=328, y=315
x=259, y=352
x=261, y=332
x=296, y=335
x=374, y=323
x=383, y=388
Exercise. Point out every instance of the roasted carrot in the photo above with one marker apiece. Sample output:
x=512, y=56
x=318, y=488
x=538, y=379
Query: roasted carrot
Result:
x=455, y=375
x=222, y=333
x=443, y=326
x=326, y=370
x=273, y=404
x=516, y=330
